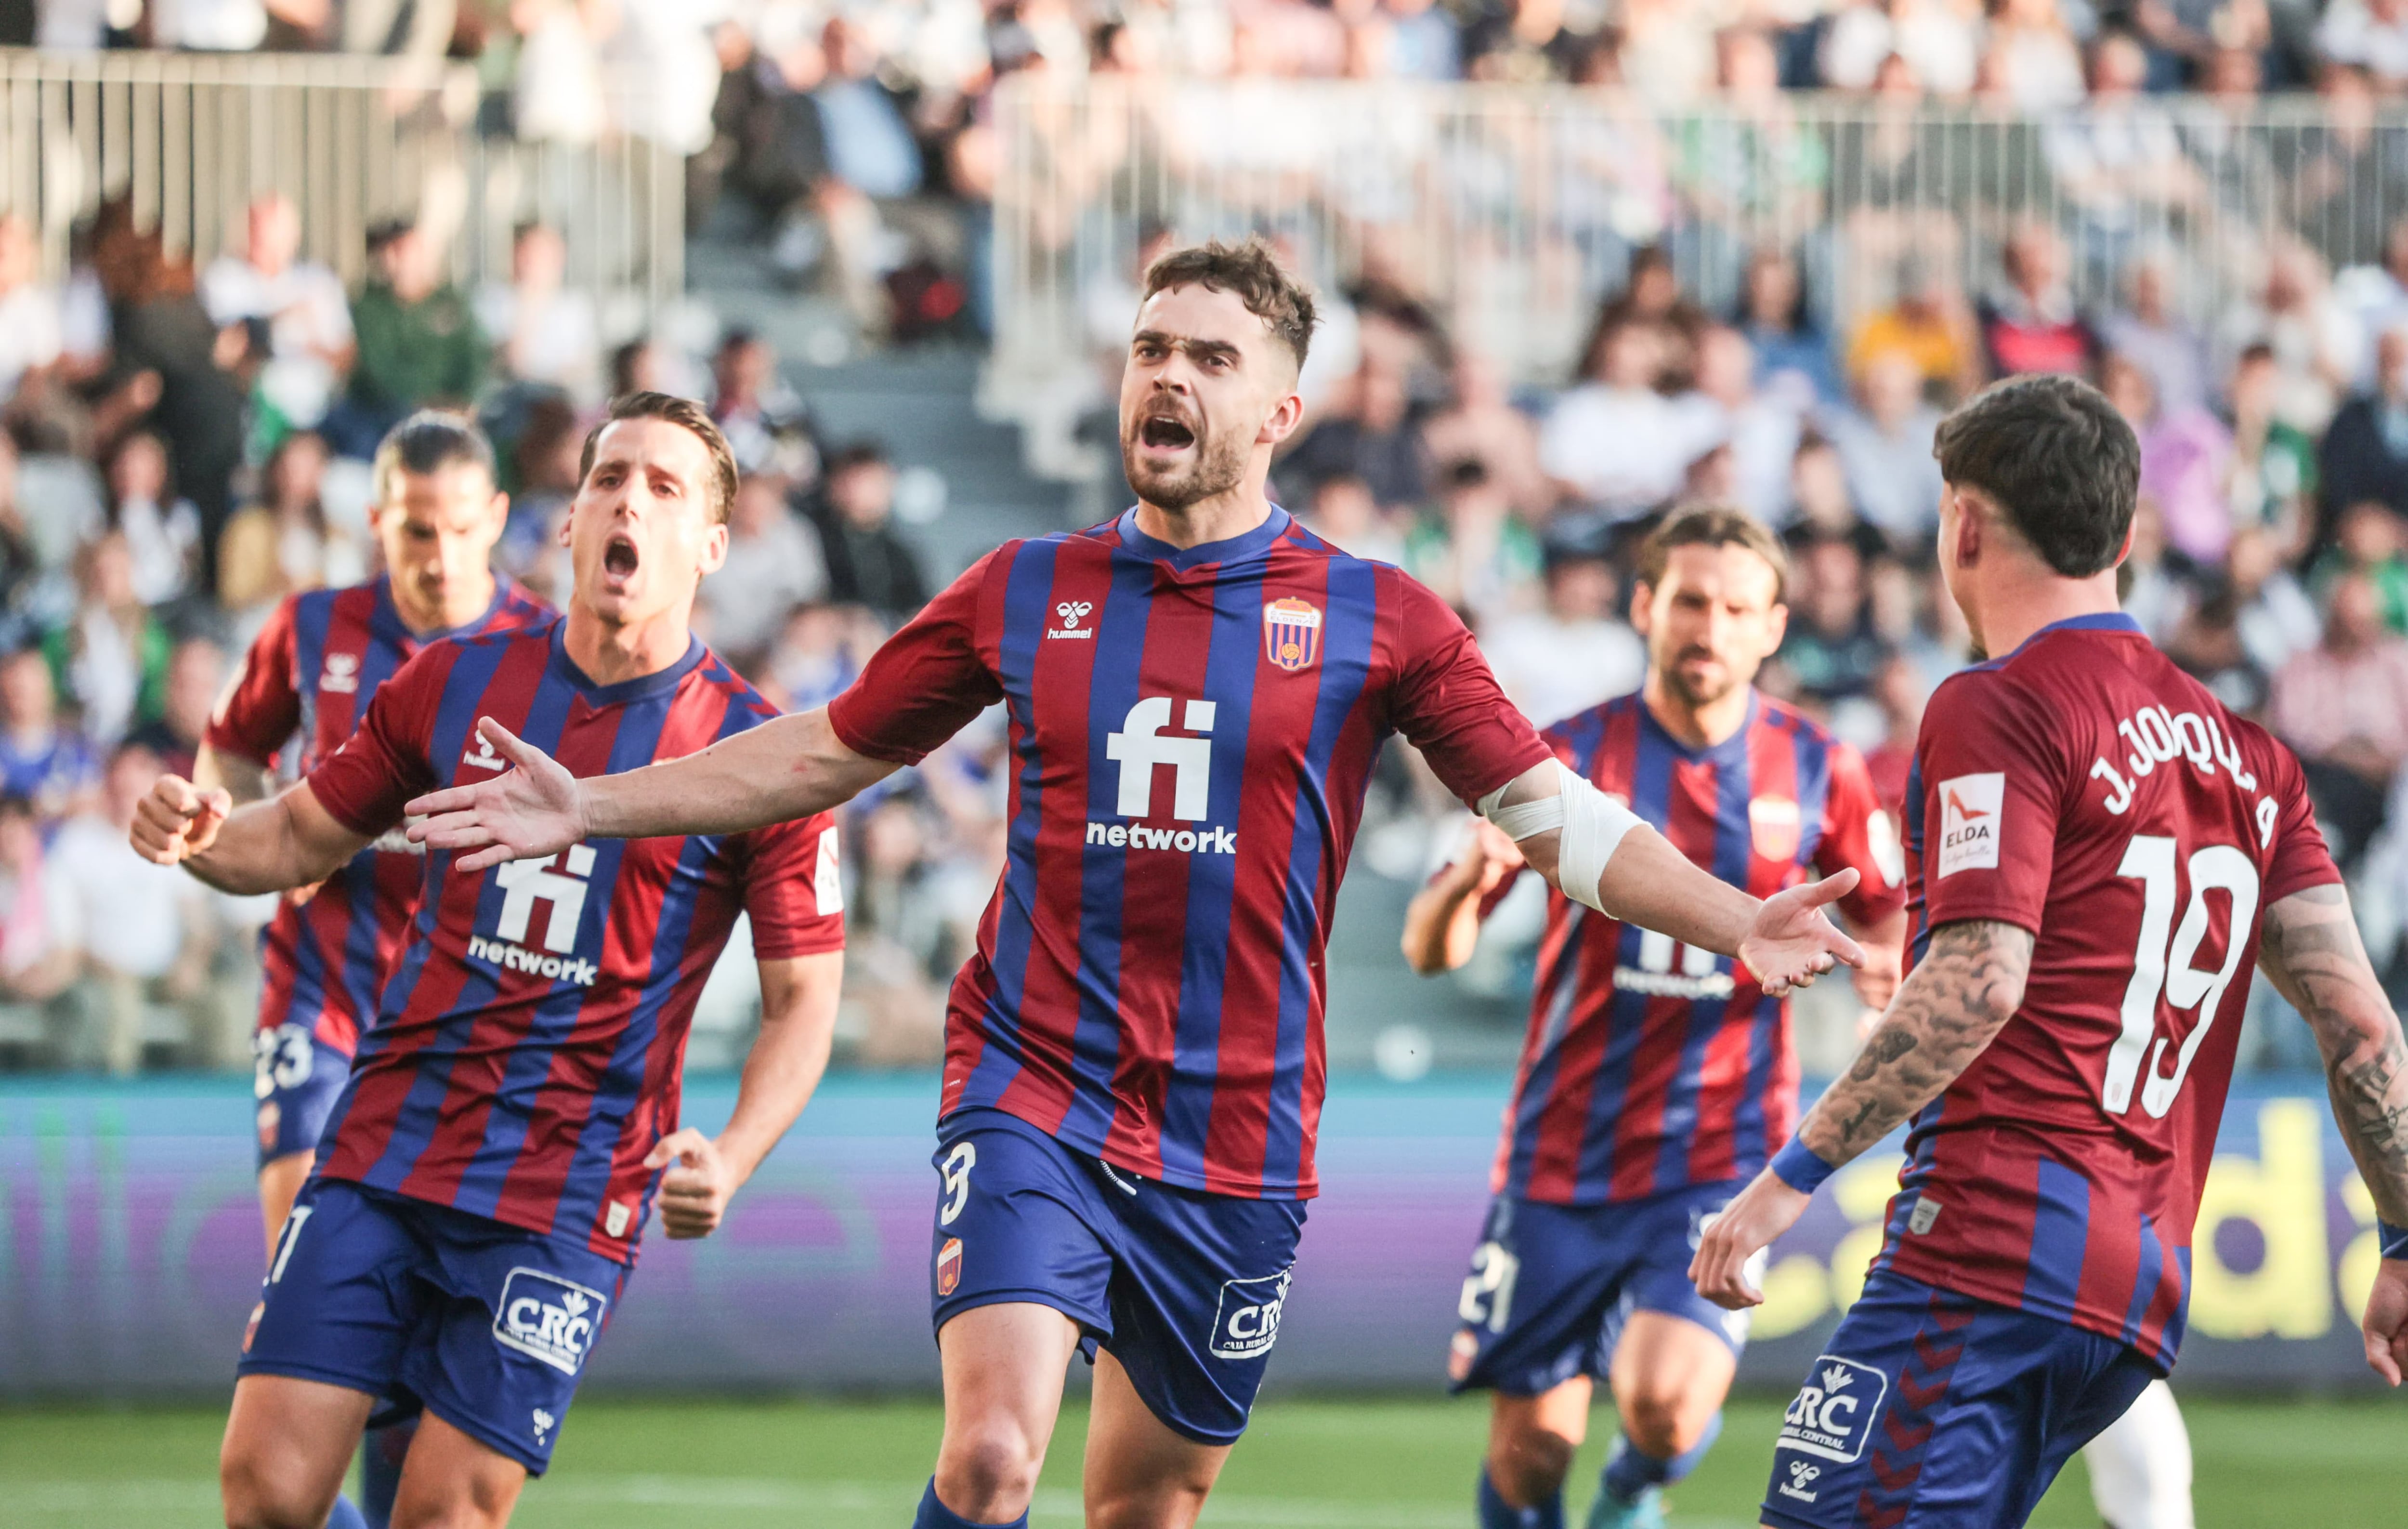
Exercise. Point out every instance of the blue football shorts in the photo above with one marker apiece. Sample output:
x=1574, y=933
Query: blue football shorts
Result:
x=1933, y=1410
x=1550, y=1286
x=1183, y=1288
x=486, y=1325
x=297, y=1078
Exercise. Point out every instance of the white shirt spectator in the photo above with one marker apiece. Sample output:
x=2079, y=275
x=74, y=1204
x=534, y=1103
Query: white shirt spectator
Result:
x=1551, y=669
x=766, y=576
x=73, y=25
x=1622, y=448
x=1762, y=434
x=131, y=915
x=163, y=540
x=29, y=333
x=2371, y=34
x=305, y=305
x=1937, y=42
x=210, y=26
x=1891, y=472
x=560, y=343
x=84, y=329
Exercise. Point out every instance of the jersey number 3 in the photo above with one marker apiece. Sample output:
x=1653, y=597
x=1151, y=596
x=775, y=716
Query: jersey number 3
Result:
x=2161, y=964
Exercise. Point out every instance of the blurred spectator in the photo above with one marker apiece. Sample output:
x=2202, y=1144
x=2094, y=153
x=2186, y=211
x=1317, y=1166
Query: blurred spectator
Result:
x=1472, y=553
x=1344, y=514
x=1833, y=651
x=1759, y=429
x=148, y=932
x=773, y=565
x=2315, y=338
x=1370, y=435
x=1935, y=38
x=2185, y=461
x=1481, y=421
x=541, y=331
x=1423, y=42
x=893, y=941
x=2118, y=160
x=303, y=318
x=819, y=651
x=1667, y=51
x=109, y=653
x=20, y=559
x=2370, y=34
x=2370, y=540
x=161, y=531
x=1885, y=445
x=1613, y=442
x=2274, y=616
x=2030, y=57
x=29, y=311
x=2157, y=337
x=1575, y=651
x=2365, y=453
x=2343, y=707
x=168, y=369
x=42, y=759
x=2032, y=325
x=194, y=674
x=764, y=420
x=544, y=478
x=559, y=92
x=2273, y=479
x=1792, y=355
x=282, y=543
x=1898, y=690
x=869, y=561
x=419, y=342
x=1929, y=325
x=1651, y=302
x=37, y=915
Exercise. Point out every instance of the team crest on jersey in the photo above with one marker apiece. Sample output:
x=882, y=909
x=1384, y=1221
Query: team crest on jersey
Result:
x=548, y=1318
x=342, y=674
x=1970, y=809
x=948, y=1267
x=1246, y=1322
x=1292, y=633
x=1833, y=1413
x=1773, y=822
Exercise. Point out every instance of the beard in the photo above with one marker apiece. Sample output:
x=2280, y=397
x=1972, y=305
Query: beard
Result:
x=1212, y=467
x=1696, y=693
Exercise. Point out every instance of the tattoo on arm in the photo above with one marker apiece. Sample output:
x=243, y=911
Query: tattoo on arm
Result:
x=2309, y=949
x=1964, y=990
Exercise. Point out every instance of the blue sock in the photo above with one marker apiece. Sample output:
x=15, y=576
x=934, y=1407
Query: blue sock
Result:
x=935, y=1515
x=1496, y=1513
x=1631, y=1471
x=345, y=1515
x=382, y=1453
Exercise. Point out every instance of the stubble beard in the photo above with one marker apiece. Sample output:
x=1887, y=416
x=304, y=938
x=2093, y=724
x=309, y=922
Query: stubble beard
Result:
x=1217, y=467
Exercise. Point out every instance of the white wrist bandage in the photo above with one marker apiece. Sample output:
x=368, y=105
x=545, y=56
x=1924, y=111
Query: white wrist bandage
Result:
x=1592, y=822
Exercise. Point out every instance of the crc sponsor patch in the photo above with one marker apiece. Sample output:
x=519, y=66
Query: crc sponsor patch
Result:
x=1246, y=1321
x=548, y=1318
x=1832, y=1415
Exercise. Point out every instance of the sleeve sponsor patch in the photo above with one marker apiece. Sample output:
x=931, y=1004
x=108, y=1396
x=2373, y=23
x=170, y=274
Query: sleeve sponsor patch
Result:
x=1970, y=809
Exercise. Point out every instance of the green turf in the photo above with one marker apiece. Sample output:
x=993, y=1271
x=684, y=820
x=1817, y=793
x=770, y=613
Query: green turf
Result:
x=1307, y=1464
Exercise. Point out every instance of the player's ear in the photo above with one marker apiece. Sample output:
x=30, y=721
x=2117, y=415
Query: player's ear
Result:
x=714, y=548
x=567, y=523
x=1643, y=606
x=1285, y=417
x=1776, y=627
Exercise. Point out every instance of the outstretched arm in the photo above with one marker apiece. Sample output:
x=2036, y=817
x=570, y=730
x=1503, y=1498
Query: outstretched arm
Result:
x=1963, y=993
x=786, y=769
x=798, y=998
x=287, y=841
x=2312, y=953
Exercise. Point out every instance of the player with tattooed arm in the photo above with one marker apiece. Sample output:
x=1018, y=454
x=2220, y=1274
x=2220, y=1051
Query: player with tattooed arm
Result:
x=2097, y=849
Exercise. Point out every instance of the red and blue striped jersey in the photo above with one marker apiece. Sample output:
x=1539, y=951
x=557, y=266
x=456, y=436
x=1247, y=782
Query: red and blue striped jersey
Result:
x=528, y=1046
x=1191, y=734
x=2086, y=790
x=1650, y=1065
x=307, y=680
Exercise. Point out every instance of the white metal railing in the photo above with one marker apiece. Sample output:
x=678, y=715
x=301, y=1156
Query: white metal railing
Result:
x=191, y=137
x=1512, y=210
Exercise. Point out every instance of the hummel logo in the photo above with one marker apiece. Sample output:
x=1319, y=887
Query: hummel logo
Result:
x=1801, y=1476
x=543, y=1422
x=342, y=675
x=1836, y=1379
x=1071, y=613
x=483, y=756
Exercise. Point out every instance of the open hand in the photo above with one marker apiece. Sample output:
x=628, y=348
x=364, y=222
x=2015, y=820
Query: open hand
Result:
x=696, y=1189
x=177, y=820
x=1793, y=941
x=532, y=810
x=1763, y=1211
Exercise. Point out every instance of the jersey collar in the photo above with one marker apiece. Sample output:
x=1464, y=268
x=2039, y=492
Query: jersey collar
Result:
x=1237, y=548
x=565, y=669
x=2105, y=621
x=1729, y=751
x=389, y=625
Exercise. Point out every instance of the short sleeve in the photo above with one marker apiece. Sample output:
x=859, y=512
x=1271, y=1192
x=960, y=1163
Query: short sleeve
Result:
x=384, y=762
x=257, y=715
x=794, y=887
x=2300, y=858
x=1448, y=704
x=1858, y=832
x=926, y=683
x=1993, y=788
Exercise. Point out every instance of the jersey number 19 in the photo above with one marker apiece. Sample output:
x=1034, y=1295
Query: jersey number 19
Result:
x=2161, y=964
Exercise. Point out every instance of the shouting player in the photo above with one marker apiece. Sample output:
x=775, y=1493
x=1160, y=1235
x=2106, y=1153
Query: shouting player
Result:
x=489, y=1167
x=1656, y=1078
x=311, y=673
x=1133, y=1074
x=2097, y=850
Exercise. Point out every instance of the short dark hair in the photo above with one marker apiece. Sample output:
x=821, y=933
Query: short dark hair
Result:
x=2055, y=455
x=1713, y=525
x=428, y=441
x=856, y=453
x=1254, y=274
x=685, y=413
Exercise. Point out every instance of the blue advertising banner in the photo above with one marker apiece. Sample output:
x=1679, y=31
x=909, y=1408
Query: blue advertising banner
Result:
x=131, y=1248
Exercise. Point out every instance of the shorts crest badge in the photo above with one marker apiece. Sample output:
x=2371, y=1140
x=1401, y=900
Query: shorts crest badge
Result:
x=1292, y=633
x=948, y=1267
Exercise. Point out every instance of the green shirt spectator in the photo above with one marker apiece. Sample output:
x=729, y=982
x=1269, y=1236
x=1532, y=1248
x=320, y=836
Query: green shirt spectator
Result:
x=419, y=341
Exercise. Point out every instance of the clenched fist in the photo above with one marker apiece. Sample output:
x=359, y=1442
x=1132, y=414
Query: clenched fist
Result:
x=177, y=821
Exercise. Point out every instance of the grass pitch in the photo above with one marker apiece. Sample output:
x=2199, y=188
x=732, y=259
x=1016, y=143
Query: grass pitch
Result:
x=1306, y=1464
